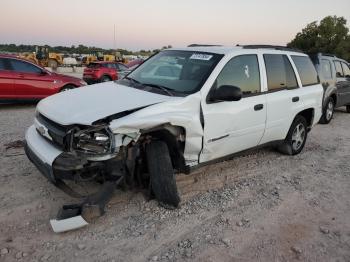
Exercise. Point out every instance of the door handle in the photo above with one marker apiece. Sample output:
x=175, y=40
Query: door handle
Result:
x=295, y=99
x=258, y=107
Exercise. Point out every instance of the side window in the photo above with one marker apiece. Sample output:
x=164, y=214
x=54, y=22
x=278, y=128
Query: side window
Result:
x=21, y=66
x=291, y=80
x=326, y=69
x=243, y=72
x=346, y=69
x=338, y=69
x=306, y=70
x=2, y=64
x=280, y=73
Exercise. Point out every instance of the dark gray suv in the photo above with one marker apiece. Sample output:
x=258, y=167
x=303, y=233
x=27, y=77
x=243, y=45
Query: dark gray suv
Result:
x=335, y=78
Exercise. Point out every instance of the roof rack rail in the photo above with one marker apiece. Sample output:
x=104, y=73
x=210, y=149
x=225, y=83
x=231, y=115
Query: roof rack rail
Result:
x=326, y=54
x=199, y=45
x=276, y=47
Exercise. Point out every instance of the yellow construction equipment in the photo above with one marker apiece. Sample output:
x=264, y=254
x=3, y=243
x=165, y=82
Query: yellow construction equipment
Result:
x=42, y=57
x=99, y=56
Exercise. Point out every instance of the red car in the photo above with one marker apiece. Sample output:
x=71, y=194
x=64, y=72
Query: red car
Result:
x=97, y=72
x=20, y=79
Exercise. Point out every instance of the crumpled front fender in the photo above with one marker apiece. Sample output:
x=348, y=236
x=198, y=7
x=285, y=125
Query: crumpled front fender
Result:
x=181, y=112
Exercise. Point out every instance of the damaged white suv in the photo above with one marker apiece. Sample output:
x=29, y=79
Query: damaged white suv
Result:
x=179, y=109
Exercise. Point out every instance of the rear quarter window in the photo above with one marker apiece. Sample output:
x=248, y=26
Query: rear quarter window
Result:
x=306, y=70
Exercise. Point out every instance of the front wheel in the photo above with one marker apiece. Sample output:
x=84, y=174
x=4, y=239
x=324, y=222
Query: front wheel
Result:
x=162, y=177
x=66, y=88
x=106, y=79
x=296, y=137
x=328, y=111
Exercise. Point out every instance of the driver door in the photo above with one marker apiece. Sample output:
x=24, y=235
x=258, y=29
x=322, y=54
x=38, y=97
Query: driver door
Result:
x=231, y=127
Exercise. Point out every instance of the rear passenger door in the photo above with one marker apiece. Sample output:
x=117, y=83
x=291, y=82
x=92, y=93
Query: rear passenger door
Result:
x=346, y=83
x=30, y=82
x=282, y=96
x=6, y=80
x=342, y=84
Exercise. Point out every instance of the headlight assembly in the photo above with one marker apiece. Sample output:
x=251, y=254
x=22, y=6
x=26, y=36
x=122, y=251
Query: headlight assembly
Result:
x=95, y=140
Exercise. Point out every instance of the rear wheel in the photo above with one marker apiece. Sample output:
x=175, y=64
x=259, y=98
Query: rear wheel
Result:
x=348, y=109
x=162, y=177
x=296, y=137
x=106, y=79
x=328, y=111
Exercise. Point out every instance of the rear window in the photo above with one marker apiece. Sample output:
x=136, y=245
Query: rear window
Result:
x=94, y=65
x=306, y=70
x=280, y=73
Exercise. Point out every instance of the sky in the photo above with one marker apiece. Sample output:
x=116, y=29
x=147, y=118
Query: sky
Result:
x=151, y=24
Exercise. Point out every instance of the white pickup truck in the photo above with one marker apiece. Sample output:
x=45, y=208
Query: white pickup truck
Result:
x=179, y=109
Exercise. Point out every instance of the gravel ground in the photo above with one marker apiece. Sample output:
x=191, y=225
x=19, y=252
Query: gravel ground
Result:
x=259, y=207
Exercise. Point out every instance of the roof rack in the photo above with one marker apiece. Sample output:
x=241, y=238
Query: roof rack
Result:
x=276, y=47
x=200, y=45
x=326, y=54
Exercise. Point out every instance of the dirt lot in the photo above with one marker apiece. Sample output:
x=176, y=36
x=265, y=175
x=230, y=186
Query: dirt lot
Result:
x=259, y=207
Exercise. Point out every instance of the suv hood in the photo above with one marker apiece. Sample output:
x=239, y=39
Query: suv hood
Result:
x=91, y=103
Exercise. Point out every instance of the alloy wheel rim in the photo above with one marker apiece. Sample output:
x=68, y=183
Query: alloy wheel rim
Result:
x=298, y=136
x=329, y=111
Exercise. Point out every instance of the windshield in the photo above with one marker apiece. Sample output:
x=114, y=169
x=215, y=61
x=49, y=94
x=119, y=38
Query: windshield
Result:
x=177, y=71
x=94, y=65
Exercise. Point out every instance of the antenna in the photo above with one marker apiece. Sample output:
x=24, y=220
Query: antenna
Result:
x=114, y=38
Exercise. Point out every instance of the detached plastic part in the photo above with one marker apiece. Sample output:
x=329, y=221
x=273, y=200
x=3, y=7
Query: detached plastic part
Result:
x=70, y=217
x=72, y=223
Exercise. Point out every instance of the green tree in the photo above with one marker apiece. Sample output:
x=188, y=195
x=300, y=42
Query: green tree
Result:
x=331, y=35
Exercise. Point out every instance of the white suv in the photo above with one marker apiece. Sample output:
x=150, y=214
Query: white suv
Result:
x=179, y=109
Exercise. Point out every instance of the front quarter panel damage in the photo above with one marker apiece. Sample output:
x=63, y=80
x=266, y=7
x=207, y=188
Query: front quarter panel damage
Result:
x=183, y=112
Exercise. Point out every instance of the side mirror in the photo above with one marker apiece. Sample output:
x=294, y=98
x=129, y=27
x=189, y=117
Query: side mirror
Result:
x=226, y=93
x=43, y=73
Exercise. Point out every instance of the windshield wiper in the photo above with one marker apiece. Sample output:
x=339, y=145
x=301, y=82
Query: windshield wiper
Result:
x=163, y=88
x=133, y=80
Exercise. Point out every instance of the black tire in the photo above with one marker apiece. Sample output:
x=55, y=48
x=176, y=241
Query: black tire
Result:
x=66, y=88
x=106, y=79
x=162, y=177
x=348, y=109
x=293, y=145
x=328, y=111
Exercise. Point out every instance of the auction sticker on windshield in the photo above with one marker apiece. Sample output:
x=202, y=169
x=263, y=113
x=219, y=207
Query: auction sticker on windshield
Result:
x=205, y=57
